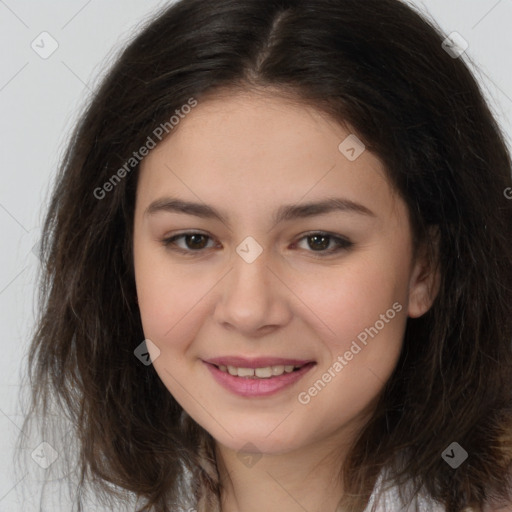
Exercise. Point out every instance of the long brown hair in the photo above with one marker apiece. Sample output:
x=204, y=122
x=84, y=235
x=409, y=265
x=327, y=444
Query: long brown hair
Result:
x=377, y=65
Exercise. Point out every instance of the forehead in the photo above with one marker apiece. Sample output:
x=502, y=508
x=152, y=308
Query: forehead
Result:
x=258, y=147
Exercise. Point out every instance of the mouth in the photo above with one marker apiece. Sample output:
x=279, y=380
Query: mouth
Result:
x=265, y=372
x=257, y=377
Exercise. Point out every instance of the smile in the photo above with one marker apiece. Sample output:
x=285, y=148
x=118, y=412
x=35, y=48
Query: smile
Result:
x=260, y=381
x=259, y=373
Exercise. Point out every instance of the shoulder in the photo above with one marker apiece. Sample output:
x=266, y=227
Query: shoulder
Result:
x=390, y=498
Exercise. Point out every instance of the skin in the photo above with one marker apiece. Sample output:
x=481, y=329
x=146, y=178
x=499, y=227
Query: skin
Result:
x=246, y=154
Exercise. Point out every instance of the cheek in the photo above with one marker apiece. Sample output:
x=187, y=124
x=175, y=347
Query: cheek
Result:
x=352, y=297
x=164, y=293
x=168, y=301
x=364, y=305
x=172, y=314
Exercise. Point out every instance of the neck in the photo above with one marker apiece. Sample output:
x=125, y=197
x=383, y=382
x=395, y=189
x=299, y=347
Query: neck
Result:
x=306, y=479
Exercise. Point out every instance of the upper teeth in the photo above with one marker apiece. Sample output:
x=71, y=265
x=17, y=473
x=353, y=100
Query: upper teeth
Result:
x=262, y=373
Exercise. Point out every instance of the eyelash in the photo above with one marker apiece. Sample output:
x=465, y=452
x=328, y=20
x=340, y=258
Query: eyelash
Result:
x=342, y=243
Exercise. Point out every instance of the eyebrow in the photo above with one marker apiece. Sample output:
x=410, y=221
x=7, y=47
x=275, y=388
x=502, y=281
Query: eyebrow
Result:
x=283, y=213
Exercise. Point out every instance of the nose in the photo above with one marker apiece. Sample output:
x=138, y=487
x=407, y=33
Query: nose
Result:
x=254, y=299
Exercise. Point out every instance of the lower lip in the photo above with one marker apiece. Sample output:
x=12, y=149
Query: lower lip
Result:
x=246, y=386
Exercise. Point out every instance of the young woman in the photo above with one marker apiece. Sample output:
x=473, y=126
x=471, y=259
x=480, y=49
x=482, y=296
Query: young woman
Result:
x=277, y=268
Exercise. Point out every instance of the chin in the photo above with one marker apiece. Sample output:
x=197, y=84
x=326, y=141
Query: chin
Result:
x=251, y=440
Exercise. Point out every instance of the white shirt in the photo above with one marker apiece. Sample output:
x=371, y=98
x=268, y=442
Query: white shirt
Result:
x=389, y=500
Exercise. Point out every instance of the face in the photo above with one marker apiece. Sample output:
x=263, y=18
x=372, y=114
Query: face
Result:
x=237, y=270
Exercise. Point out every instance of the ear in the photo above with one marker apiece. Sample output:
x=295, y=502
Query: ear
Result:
x=425, y=277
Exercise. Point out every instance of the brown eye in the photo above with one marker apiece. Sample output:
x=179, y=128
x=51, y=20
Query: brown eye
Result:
x=318, y=242
x=192, y=242
x=195, y=241
x=321, y=243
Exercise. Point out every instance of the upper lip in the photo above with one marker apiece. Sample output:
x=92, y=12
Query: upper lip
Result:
x=258, y=362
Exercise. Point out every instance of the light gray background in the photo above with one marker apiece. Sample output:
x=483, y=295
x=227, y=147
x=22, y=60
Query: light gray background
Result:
x=39, y=102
